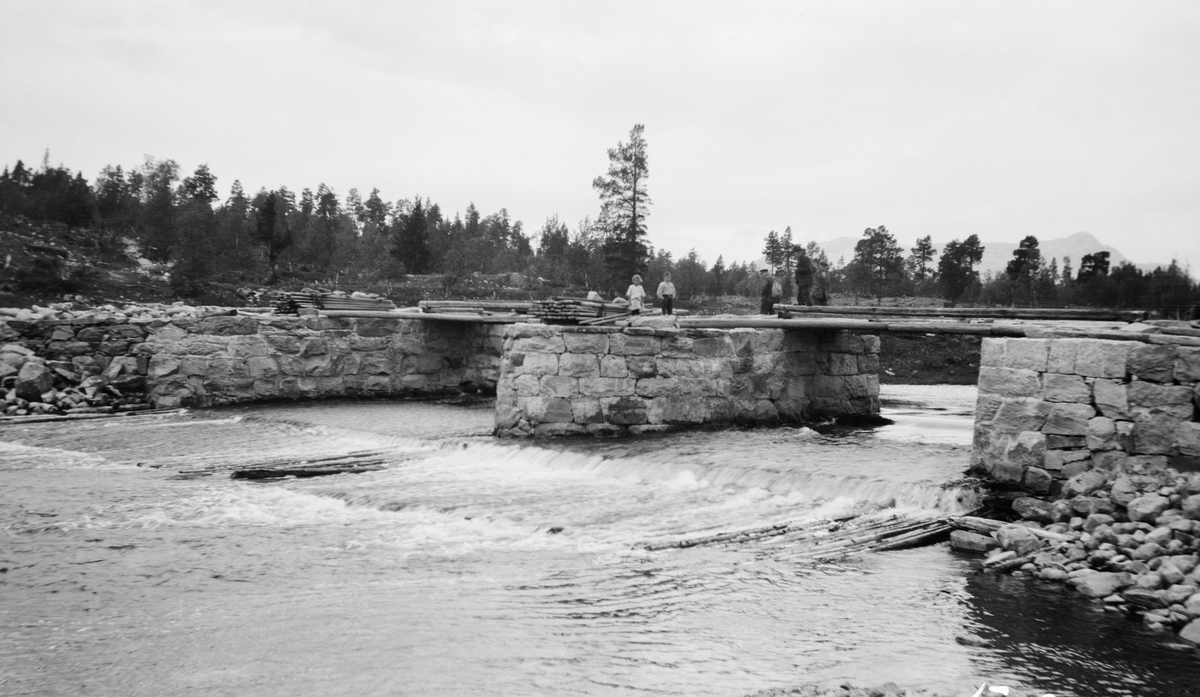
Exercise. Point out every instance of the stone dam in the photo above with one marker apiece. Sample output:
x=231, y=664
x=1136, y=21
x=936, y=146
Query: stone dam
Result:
x=1049, y=410
x=549, y=380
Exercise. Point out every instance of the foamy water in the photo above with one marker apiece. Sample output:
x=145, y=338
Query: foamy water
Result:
x=477, y=567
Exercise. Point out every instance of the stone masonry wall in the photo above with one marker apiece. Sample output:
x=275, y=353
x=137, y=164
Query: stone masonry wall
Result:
x=190, y=361
x=563, y=380
x=1052, y=410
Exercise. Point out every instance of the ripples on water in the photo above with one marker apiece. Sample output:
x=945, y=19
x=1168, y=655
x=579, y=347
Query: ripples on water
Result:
x=472, y=566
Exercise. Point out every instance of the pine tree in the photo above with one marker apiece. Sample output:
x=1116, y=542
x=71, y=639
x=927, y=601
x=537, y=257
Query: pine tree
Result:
x=624, y=206
x=921, y=261
x=956, y=268
x=878, y=262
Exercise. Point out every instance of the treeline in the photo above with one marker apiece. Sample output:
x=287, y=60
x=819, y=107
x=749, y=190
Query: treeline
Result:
x=314, y=234
x=321, y=236
x=880, y=267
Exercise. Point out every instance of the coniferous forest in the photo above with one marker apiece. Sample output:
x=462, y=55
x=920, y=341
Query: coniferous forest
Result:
x=205, y=236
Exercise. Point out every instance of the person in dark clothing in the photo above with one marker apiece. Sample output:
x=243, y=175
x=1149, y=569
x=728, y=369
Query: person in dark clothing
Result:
x=770, y=292
x=821, y=284
x=805, y=276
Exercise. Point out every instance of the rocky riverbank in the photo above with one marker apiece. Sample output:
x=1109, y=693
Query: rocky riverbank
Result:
x=888, y=689
x=81, y=365
x=1130, y=540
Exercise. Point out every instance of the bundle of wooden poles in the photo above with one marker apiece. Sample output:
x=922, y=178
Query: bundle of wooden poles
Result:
x=476, y=307
x=1023, y=313
x=294, y=302
x=562, y=310
x=829, y=538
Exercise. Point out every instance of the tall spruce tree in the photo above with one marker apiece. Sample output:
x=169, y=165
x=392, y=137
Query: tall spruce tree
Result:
x=410, y=242
x=624, y=206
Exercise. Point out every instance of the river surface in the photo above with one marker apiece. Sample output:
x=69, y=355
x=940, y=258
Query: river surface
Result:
x=470, y=566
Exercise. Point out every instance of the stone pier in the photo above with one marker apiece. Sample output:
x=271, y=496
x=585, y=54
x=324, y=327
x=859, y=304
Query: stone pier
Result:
x=1056, y=411
x=567, y=380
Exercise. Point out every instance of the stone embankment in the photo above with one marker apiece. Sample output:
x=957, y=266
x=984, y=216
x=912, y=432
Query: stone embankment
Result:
x=1050, y=410
x=1107, y=433
x=185, y=359
x=566, y=380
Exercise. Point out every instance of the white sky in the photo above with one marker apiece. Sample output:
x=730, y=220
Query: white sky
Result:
x=947, y=119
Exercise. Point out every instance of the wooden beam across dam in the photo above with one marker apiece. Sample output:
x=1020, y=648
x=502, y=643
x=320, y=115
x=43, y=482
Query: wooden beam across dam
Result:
x=1024, y=322
x=1037, y=313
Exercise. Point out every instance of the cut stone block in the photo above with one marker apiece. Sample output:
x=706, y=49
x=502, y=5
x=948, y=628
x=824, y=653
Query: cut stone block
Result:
x=1009, y=382
x=1100, y=358
x=1027, y=354
x=1152, y=362
x=1068, y=419
x=1066, y=388
x=1111, y=398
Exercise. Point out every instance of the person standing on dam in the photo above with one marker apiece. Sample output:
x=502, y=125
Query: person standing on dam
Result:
x=666, y=293
x=636, y=295
x=771, y=292
x=805, y=275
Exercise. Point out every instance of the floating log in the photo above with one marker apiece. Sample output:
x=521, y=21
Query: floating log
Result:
x=826, y=538
x=971, y=312
x=987, y=526
x=300, y=472
x=36, y=418
x=935, y=532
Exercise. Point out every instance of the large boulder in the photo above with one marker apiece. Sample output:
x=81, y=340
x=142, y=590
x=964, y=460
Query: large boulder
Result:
x=1017, y=538
x=1145, y=509
x=1084, y=483
x=971, y=541
x=33, y=380
x=1191, y=507
x=1123, y=490
x=1037, y=510
x=1100, y=584
x=1191, y=632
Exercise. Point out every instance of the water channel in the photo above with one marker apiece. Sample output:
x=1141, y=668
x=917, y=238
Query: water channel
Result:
x=470, y=566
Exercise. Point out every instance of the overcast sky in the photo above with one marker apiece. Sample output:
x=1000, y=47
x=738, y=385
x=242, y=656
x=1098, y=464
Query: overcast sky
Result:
x=1001, y=119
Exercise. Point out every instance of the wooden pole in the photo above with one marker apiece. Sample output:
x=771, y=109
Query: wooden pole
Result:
x=970, y=312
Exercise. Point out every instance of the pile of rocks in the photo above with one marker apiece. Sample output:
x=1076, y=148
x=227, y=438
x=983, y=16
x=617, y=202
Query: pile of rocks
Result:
x=887, y=689
x=32, y=385
x=107, y=313
x=1129, y=539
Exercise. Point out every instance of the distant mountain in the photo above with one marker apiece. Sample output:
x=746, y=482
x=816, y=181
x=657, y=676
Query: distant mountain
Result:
x=996, y=255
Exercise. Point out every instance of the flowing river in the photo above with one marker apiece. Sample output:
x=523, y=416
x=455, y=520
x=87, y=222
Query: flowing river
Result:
x=470, y=566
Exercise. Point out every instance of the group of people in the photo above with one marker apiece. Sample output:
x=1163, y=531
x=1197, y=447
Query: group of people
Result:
x=812, y=285
x=636, y=295
x=812, y=288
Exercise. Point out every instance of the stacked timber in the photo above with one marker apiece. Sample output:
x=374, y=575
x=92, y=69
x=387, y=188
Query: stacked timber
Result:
x=333, y=301
x=828, y=539
x=476, y=307
x=577, y=311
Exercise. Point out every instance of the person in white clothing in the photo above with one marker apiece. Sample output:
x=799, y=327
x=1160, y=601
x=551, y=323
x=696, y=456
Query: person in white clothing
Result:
x=666, y=293
x=636, y=295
